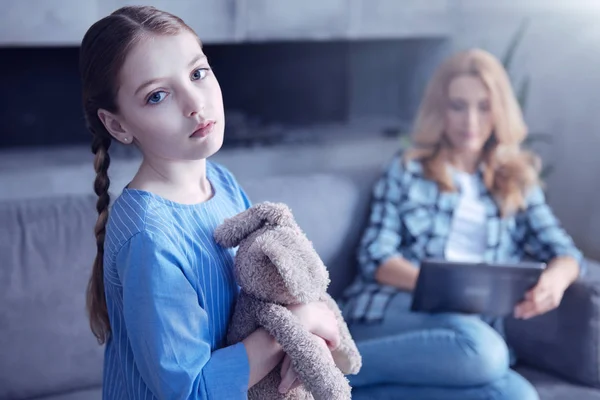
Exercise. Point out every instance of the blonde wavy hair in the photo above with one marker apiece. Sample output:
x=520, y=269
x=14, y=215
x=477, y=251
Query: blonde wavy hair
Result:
x=508, y=170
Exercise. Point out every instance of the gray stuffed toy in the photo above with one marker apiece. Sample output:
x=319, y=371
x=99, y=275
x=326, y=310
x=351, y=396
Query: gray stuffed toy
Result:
x=275, y=266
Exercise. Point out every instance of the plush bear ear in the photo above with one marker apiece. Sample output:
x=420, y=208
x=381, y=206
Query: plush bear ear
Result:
x=233, y=230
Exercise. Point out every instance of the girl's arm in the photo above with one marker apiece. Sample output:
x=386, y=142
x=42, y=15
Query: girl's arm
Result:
x=264, y=353
x=168, y=331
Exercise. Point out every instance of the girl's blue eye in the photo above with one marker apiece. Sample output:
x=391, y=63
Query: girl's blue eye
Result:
x=156, y=97
x=200, y=73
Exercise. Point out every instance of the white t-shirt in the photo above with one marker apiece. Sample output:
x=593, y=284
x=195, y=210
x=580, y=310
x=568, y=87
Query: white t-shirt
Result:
x=467, y=239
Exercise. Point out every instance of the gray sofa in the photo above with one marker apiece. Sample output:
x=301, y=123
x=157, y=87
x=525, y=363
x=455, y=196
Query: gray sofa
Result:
x=47, y=247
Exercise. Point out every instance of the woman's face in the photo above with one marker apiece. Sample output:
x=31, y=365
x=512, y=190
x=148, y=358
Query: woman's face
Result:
x=469, y=122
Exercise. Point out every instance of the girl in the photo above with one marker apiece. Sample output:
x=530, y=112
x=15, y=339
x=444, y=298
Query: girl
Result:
x=466, y=191
x=162, y=291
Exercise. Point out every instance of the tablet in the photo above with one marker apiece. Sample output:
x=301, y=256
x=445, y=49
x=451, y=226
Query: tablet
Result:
x=473, y=288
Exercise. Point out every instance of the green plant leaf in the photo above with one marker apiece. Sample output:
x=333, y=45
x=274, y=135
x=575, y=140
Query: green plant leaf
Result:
x=537, y=137
x=546, y=171
x=405, y=141
x=523, y=93
x=514, y=44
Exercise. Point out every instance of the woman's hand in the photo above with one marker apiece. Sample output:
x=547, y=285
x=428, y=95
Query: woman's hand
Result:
x=289, y=378
x=320, y=320
x=547, y=294
x=398, y=272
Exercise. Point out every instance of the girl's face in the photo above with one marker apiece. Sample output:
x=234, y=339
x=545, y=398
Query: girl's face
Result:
x=169, y=100
x=469, y=122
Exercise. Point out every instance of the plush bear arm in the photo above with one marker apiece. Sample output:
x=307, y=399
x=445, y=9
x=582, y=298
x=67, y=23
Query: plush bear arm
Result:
x=314, y=367
x=346, y=355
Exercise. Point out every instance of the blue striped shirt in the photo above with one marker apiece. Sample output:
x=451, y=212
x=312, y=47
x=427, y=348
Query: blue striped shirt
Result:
x=170, y=292
x=412, y=218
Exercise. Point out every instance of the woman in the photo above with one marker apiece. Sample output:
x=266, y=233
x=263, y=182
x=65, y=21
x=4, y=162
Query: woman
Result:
x=465, y=191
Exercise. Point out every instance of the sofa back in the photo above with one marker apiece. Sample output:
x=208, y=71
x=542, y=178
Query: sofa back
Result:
x=47, y=248
x=46, y=252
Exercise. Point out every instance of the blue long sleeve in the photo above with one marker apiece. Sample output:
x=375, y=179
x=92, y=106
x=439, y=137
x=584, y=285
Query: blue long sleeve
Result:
x=162, y=311
x=544, y=237
x=170, y=293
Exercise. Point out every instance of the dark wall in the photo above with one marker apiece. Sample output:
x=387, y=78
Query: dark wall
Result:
x=266, y=87
x=41, y=103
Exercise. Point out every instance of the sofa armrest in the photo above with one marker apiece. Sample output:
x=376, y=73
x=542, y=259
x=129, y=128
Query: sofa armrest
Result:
x=565, y=341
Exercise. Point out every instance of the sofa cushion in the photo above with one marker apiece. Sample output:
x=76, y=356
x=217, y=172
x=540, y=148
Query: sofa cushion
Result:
x=565, y=341
x=85, y=394
x=46, y=251
x=550, y=387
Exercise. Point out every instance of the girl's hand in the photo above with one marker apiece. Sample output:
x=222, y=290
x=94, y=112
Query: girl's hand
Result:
x=289, y=378
x=547, y=294
x=318, y=319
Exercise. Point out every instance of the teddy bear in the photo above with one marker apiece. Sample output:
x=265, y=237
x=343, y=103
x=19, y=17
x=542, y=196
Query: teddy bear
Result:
x=276, y=266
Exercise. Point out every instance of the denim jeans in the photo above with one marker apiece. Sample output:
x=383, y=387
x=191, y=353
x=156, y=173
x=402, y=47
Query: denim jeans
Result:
x=421, y=356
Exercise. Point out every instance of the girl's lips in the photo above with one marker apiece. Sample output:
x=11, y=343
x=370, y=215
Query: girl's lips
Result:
x=203, y=129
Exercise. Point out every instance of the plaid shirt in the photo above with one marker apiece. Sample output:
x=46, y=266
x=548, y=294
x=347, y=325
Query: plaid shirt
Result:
x=411, y=218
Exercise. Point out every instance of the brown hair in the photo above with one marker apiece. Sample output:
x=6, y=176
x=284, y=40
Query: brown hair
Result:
x=102, y=55
x=509, y=171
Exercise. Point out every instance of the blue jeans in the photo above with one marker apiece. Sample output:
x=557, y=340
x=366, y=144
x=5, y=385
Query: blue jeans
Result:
x=434, y=356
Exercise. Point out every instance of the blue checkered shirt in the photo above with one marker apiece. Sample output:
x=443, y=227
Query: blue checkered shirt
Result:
x=411, y=218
